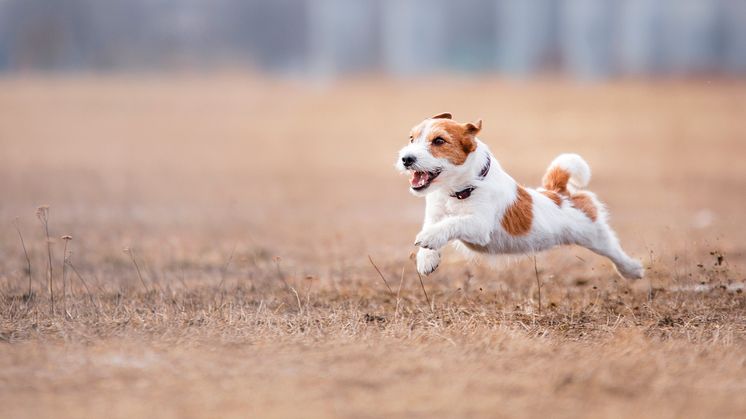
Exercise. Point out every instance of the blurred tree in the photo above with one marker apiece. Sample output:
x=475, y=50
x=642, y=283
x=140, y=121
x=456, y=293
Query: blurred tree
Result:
x=344, y=36
x=415, y=36
x=586, y=35
x=526, y=35
x=583, y=38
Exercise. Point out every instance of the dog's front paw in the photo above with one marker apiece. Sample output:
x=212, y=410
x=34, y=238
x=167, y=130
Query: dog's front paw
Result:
x=427, y=261
x=430, y=239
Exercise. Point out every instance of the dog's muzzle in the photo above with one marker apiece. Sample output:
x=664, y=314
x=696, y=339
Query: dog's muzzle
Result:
x=421, y=179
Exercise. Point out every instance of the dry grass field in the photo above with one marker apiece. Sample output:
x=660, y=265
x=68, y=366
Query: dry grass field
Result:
x=221, y=230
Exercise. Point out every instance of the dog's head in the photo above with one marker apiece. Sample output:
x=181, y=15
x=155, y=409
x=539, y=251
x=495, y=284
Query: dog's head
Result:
x=437, y=150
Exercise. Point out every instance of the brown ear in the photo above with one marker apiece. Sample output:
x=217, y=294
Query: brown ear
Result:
x=474, y=127
x=468, y=144
x=444, y=115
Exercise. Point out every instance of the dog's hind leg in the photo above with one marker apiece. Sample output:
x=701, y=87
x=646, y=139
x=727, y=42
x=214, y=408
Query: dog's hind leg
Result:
x=605, y=243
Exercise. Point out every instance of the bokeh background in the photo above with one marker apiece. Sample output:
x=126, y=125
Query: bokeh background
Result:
x=585, y=39
x=300, y=103
x=242, y=153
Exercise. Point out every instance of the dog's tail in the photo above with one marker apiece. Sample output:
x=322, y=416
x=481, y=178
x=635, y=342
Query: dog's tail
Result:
x=567, y=169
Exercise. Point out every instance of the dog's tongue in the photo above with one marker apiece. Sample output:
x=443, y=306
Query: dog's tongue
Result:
x=419, y=179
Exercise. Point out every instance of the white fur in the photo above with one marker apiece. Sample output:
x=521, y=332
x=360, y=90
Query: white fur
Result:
x=476, y=220
x=580, y=172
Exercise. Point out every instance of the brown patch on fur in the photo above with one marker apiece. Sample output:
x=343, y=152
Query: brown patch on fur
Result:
x=474, y=127
x=519, y=215
x=459, y=140
x=584, y=203
x=556, y=180
x=444, y=115
x=554, y=196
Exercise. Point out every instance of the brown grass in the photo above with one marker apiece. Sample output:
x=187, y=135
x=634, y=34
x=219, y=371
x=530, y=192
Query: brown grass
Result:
x=253, y=211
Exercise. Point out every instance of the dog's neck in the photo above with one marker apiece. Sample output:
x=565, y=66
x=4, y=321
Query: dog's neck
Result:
x=480, y=165
x=467, y=190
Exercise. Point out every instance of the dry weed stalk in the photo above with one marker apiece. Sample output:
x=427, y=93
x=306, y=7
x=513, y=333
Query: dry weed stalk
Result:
x=287, y=284
x=398, y=292
x=422, y=284
x=25, y=252
x=66, y=239
x=538, y=282
x=85, y=285
x=380, y=274
x=131, y=253
x=42, y=213
x=223, y=273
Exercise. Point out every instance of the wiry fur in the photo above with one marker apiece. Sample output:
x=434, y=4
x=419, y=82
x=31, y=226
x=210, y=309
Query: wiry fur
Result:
x=478, y=223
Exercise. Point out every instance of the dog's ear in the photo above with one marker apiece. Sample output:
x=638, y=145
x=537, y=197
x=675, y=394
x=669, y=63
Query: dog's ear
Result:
x=444, y=115
x=473, y=128
x=469, y=142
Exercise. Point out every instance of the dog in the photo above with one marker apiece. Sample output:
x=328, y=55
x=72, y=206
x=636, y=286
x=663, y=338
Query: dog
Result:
x=472, y=201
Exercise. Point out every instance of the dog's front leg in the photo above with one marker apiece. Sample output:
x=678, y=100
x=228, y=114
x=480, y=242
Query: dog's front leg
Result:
x=427, y=261
x=469, y=228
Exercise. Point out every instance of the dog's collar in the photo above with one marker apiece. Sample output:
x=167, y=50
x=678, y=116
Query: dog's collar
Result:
x=466, y=192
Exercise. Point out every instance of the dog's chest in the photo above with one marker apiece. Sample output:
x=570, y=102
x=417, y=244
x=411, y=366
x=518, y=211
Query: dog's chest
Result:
x=454, y=206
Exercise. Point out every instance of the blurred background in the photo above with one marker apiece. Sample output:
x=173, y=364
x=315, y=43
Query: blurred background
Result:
x=211, y=123
x=584, y=39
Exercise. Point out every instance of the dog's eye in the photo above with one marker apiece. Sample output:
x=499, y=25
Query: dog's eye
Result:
x=439, y=141
x=411, y=139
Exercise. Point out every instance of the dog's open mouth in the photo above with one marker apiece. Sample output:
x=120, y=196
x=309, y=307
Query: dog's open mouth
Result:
x=421, y=180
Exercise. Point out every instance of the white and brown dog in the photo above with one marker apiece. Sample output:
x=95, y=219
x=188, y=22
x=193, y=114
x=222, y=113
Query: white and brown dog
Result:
x=471, y=200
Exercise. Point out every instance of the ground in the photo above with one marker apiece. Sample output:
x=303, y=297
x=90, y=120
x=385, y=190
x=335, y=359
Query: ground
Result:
x=225, y=231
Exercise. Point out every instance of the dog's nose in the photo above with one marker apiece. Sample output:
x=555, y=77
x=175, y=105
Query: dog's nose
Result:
x=408, y=160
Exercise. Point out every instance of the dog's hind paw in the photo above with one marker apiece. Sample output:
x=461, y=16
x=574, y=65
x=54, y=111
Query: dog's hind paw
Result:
x=427, y=261
x=631, y=270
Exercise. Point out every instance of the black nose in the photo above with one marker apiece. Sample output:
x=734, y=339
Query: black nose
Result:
x=408, y=160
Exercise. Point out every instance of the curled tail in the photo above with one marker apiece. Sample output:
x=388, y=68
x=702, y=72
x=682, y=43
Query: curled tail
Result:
x=567, y=169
